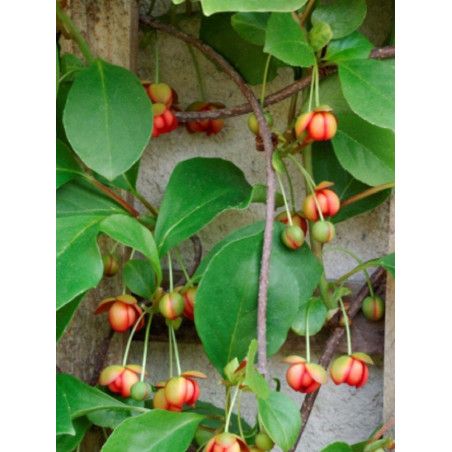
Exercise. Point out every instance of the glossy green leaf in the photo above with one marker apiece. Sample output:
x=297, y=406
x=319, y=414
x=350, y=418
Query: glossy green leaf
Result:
x=367, y=152
x=57, y=70
x=63, y=91
x=388, y=263
x=253, y=379
x=287, y=41
x=217, y=6
x=228, y=292
x=108, y=118
x=281, y=418
x=369, y=87
x=331, y=94
x=65, y=314
x=352, y=47
x=248, y=59
x=327, y=167
x=83, y=399
x=111, y=418
x=69, y=443
x=337, y=447
x=198, y=190
x=69, y=63
x=251, y=26
x=126, y=181
x=156, y=431
x=130, y=232
x=260, y=195
x=310, y=318
x=78, y=265
x=139, y=276
x=67, y=167
x=247, y=231
x=63, y=414
x=78, y=197
x=344, y=16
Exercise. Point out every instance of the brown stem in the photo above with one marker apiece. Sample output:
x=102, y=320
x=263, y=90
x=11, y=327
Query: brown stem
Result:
x=306, y=12
x=114, y=196
x=271, y=182
x=278, y=96
x=369, y=192
x=332, y=343
x=382, y=430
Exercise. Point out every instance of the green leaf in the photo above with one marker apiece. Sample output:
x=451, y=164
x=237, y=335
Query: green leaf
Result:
x=248, y=59
x=78, y=197
x=314, y=312
x=68, y=443
x=198, y=190
x=367, y=152
x=126, y=181
x=327, y=167
x=281, y=418
x=83, y=399
x=369, y=87
x=57, y=69
x=260, y=195
x=65, y=314
x=108, y=118
x=112, y=418
x=63, y=92
x=139, y=276
x=210, y=7
x=156, y=431
x=352, y=47
x=70, y=63
x=286, y=40
x=337, y=447
x=251, y=26
x=130, y=232
x=78, y=265
x=228, y=291
x=344, y=16
x=63, y=414
x=253, y=379
x=388, y=263
x=66, y=165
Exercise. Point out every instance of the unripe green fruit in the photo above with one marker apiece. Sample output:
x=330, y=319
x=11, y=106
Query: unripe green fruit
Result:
x=140, y=390
x=171, y=305
x=320, y=35
x=263, y=441
x=323, y=231
x=373, y=308
x=293, y=237
x=253, y=125
x=111, y=264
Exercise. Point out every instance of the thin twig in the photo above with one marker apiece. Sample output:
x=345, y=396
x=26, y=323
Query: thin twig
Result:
x=271, y=182
x=332, y=343
x=382, y=430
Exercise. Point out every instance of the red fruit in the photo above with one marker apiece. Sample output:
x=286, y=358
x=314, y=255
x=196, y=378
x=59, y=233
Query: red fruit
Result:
x=327, y=200
x=351, y=369
x=160, y=402
x=120, y=379
x=209, y=126
x=297, y=219
x=226, y=442
x=189, y=302
x=373, y=308
x=111, y=264
x=304, y=377
x=164, y=119
x=171, y=305
x=292, y=237
x=160, y=93
x=123, y=312
x=317, y=125
x=323, y=231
